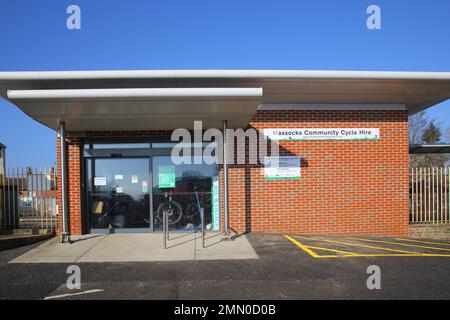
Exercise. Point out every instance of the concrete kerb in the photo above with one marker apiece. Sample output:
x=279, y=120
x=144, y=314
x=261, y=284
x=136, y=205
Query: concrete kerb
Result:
x=18, y=238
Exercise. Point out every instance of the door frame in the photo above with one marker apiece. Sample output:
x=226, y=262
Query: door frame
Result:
x=88, y=200
x=118, y=153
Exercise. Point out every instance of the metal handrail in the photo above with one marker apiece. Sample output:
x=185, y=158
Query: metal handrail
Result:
x=203, y=226
x=165, y=228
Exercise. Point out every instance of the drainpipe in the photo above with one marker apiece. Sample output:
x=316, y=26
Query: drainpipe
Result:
x=65, y=237
x=225, y=181
x=2, y=186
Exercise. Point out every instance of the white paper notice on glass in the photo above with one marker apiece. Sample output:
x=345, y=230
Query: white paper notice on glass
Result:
x=119, y=190
x=134, y=179
x=100, y=181
x=118, y=177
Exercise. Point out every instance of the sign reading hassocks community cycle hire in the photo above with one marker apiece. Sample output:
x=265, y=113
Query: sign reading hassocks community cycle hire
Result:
x=322, y=134
x=282, y=168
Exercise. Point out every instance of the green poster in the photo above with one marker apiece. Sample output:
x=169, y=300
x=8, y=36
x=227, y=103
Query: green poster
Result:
x=166, y=176
x=215, y=214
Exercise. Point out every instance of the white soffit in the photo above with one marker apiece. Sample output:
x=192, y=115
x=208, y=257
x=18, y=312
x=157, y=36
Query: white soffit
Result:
x=139, y=108
x=281, y=107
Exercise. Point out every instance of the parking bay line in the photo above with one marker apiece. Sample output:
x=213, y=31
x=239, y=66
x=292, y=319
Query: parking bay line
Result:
x=331, y=250
x=306, y=249
x=359, y=245
x=348, y=254
x=356, y=255
x=352, y=255
x=401, y=244
x=426, y=242
x=392, y=255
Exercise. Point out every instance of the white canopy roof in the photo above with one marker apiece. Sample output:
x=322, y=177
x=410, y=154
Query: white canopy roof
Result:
x=167, y=99
x=429, y=148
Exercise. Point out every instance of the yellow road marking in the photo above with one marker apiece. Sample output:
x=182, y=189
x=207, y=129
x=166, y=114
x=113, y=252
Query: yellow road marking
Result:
x=301, y=246
x=307, y=250
x=392, y=255
x=348, y=254
x=358, y=245
x=331, y=250
x=401, y=244
x=426, y=242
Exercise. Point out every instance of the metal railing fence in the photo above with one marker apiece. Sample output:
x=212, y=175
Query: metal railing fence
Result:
x=28, y=198
x=429, y=195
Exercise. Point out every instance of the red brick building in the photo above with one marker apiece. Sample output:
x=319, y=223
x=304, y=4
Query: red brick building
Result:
x=343, y=137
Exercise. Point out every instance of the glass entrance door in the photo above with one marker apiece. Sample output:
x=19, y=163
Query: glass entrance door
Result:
x=183, y=190
x=128, y=186
x=118, y=194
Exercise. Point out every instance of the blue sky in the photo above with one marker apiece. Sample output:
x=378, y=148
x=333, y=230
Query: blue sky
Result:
x=212, y=34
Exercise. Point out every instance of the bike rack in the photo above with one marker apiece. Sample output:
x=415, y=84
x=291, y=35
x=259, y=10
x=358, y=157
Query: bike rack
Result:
x=203, y=227
x=166, y=228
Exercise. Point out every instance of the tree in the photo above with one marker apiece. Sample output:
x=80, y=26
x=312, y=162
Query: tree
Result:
x=447, y=140
x=425, y=131
x=432, y=134
x=417, y=124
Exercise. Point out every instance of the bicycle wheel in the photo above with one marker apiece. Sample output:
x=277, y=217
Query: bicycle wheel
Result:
x=174, y=209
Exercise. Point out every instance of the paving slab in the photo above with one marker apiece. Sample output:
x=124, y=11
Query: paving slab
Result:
x=54, y=251
x=218, y=249
x=140, y=247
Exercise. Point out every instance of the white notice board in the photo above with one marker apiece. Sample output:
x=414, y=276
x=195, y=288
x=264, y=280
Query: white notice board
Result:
x=282, y=168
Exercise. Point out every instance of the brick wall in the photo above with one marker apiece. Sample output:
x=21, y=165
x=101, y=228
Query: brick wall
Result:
x=346, y=187
x=430, y=231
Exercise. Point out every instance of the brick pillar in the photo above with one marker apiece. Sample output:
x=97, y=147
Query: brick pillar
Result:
x=74, y=198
